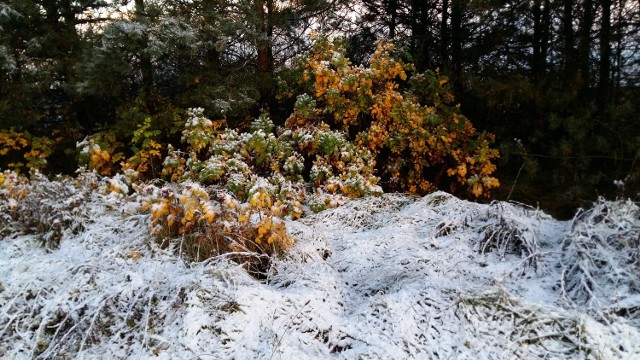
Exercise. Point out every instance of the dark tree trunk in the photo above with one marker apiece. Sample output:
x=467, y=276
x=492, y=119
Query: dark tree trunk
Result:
x=444, y=35
x=536, y=41
x=605, y=54
x=457, y=13
x=392, y=9
x=617, y=70
x=420, y=35
x=415, y=27
x=146, y=66
x=584, y=49
x=540, y=43
x=568, y=56
x=265, y=54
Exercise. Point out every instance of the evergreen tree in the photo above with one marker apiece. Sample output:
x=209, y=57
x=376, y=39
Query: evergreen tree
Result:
x=40, y=43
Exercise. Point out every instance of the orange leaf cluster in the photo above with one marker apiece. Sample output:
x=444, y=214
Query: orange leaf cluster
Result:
x=213, y=226
x=17, y=146
x=431, y=144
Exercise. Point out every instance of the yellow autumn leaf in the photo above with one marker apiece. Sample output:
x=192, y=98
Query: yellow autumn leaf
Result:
x=255, y=201
x=488, y=168
x=154, y=153
x=271, y=239
x=188, y=215
x=158, y=210
x=209, y=213
x=477, y=190
x=462, y=170
x=491, y=182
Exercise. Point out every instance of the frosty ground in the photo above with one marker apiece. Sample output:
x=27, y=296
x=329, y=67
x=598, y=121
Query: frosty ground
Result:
x=390, y=277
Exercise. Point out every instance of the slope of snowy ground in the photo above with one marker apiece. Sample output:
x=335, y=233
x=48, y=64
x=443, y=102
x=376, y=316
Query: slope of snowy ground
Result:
x=392, y=277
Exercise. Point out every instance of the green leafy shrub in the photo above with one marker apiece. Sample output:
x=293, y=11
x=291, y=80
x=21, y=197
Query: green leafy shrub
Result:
x=297, y=155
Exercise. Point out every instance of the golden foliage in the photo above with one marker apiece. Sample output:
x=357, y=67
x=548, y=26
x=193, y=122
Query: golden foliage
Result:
x=421, y=141
x=16, y=146
x=215, y=226
x=12, y=141
x=100, y=152
x=144, y=159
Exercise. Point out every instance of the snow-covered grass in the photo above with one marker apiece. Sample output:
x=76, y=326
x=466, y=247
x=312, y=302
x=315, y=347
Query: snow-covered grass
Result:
x=390, y=277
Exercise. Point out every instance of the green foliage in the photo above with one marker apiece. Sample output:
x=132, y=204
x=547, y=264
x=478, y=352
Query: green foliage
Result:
x=143, y=135
x=296, y=155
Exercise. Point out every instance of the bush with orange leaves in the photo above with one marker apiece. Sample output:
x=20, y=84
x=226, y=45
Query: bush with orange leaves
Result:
x=208, y=221
x=16, y=147
x=419, y=138
x=100, y=153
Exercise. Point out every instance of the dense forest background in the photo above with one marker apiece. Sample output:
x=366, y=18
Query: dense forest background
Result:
x=557, y=82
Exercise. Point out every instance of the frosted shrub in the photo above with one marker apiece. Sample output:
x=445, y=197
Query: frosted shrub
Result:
x=311, y=153
x=601, y=260
x=229, y=191
x=199, y=132
x=100, y=152
x=43, y=207
x=203, y=222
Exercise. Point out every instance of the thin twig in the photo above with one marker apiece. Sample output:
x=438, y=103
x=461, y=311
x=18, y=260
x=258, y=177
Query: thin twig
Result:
x=287, y=328
x=524, y=155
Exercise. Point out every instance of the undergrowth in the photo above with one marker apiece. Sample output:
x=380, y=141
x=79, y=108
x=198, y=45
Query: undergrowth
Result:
x=601, y=261
x=43, y=207
x=538, y=332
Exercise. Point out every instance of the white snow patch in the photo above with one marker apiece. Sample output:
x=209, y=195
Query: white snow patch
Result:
x=390, y=277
